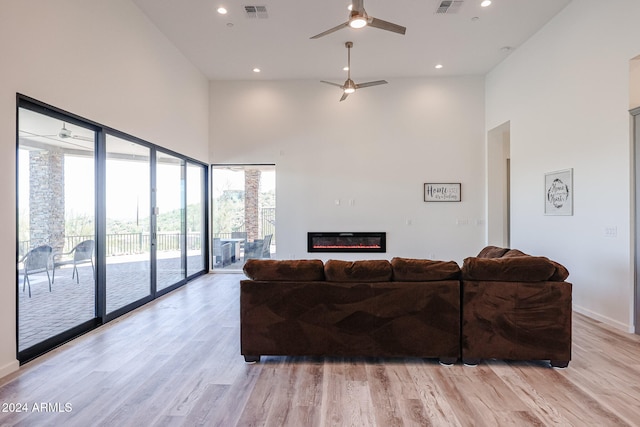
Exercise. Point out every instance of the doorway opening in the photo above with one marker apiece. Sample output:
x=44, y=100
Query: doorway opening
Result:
x=499, y=186
x=243, y=212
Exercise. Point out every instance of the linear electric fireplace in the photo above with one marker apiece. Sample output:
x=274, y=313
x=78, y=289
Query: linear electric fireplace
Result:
x=347, y=242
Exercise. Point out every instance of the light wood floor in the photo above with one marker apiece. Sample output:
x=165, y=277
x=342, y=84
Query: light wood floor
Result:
x=177, y=362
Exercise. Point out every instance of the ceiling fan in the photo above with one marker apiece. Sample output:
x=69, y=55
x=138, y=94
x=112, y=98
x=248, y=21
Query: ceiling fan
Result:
x=359, y=18
x=349, y=85
x=65, y=133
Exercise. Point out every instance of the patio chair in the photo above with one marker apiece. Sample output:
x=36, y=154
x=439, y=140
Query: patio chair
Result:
x=221, y=252
x=259, y=248
x=241, y=243
x=37, y=260
x=82, y=253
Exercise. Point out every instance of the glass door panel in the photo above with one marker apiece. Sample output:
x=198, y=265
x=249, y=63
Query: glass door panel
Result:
x=56, y=227
x=128, y=224
x=170, y=220
x=196, y=218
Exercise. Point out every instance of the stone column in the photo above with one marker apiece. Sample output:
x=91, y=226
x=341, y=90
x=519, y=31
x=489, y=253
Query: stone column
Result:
x=251, y=212
x=46, y=199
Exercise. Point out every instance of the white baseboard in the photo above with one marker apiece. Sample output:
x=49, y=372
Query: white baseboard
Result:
x=9, y=368
x=604, y=319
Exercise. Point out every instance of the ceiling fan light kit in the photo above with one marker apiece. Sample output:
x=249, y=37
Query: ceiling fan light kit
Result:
x=64, y=132
x=357, y=21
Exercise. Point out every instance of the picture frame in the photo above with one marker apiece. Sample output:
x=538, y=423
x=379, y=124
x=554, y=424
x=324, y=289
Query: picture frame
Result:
x=442, y=192
x=558, y=192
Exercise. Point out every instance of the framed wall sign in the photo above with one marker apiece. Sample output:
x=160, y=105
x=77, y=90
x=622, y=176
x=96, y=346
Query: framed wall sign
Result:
x=558, y=192
x=442, y=192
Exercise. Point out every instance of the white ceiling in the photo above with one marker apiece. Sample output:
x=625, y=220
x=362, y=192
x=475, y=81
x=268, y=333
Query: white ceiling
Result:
x=228, y=47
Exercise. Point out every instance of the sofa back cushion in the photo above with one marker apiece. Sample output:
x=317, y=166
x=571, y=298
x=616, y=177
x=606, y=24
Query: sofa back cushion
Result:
x=357, y=271
x=513, y=269
x=561, y=274
x=512, y=253
x=303, y=270
x=423, y=270
x=492, y=252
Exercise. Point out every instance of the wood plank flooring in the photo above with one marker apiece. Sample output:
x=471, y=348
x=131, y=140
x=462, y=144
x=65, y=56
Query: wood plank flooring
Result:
x=177, y=362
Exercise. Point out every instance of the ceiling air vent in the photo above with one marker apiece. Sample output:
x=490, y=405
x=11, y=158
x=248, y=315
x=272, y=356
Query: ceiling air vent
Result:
x=256, y=12
x=449, y=6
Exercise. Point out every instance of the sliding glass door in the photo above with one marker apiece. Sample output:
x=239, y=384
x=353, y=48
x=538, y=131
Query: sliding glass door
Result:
x=106, y=222
x=128, y=222
x=56, y=228
x=170, y=220
x=196, y=218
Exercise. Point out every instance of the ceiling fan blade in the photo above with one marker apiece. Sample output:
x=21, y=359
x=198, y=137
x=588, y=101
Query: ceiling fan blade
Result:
x=83, y=138
x=384, y=25
x=367, y=84
x=344, y=96
x=329, y=31
x=332, y=84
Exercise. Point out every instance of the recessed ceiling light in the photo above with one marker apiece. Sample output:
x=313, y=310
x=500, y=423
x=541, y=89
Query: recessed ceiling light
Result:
x=350, y=7
x=222, y=10
x=485, y=3
x=345, y=68
x=438, y=66
x=256, y=70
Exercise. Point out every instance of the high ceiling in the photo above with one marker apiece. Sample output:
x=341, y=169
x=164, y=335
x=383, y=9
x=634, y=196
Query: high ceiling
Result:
x=467, y=40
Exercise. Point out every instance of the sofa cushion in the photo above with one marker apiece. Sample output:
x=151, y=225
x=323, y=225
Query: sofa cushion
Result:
x=423, y=270
x=513, y=252
x=492, y=252
x=514, y=269
x=303, y=270
x=560, y=274
x=357, y=271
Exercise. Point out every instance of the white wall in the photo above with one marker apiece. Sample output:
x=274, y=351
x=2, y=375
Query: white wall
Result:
x=566, y=95
x=377, y=148
x=634, y=83
x=102, y=60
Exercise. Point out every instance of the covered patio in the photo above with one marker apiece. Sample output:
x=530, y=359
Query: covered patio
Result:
x=70, y=303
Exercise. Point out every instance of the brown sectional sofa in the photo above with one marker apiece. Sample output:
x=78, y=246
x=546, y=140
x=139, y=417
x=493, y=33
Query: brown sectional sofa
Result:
x=502, y=304
x=402, y=308
x=515, y=306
